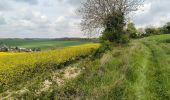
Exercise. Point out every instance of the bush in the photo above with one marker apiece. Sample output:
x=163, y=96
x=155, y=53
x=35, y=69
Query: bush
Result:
x=161, y=30
x=167, y=28
x=106, y=46
x=107, y=36
x=124, y=39
x=114, y=36
x=131, y=30
x=151, y=31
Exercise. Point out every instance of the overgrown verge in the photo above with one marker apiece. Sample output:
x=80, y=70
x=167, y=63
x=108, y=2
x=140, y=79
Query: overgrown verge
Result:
x=105, y=78
x=129, y=73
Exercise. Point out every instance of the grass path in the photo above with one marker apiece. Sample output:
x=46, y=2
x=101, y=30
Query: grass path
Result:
x=158, y=72
x=151, y=66
x=136, y=87
x=153, y=79
x=141, y=82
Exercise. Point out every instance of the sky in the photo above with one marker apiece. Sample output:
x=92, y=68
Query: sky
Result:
x=58, y=18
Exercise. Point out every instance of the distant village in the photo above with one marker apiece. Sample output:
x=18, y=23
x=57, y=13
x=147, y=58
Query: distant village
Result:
x=5, y=48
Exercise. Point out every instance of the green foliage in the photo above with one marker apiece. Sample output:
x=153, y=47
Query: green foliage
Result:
x=114, y=29
x=161, y=30
x=36, y=49
x=1, y=88
x=131, y=30
x=151, y=31
x=167, y=28
x=115, y=36
x=107, y=35
x=115, y=22
x=124, y=39
x=105, y=46
x=157, y=31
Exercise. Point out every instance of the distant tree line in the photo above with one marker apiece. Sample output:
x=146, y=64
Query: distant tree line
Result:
x=144, y=32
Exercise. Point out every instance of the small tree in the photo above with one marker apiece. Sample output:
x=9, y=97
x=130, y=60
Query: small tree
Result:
x=131, y=30
x=16, y=48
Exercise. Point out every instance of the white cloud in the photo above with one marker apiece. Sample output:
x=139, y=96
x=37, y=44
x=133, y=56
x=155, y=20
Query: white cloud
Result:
x=154, y=13
x=2, y=20
x=32, y=2
x=5, y=5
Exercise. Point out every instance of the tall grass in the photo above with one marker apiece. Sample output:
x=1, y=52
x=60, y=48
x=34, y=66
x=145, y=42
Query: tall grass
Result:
x=138, y=72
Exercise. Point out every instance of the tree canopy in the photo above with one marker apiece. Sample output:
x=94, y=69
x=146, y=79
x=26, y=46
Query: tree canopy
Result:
x=108, y=15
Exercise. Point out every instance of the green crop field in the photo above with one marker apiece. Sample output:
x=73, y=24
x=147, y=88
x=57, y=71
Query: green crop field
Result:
x=43, y=44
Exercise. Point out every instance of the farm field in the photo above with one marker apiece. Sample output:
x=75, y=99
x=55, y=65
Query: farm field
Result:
x=43, y=44
x=22, y=66
x=2, y=54
x=138, y=71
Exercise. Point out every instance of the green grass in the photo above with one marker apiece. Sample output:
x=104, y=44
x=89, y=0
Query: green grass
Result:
x=43, y=44
x=139, y=71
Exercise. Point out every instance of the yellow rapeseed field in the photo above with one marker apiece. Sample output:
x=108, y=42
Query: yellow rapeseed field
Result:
x=20, y=67
x=2, y=54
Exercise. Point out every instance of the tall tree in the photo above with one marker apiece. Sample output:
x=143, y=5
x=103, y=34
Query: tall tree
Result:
x=108, y=15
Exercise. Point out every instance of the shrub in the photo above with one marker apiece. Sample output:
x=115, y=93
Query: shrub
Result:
x=167, y=28
x=115, y=37
x=106, y=45
x=124, y=39
x=151, y=31
x=107, y=36
x=131, y=30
